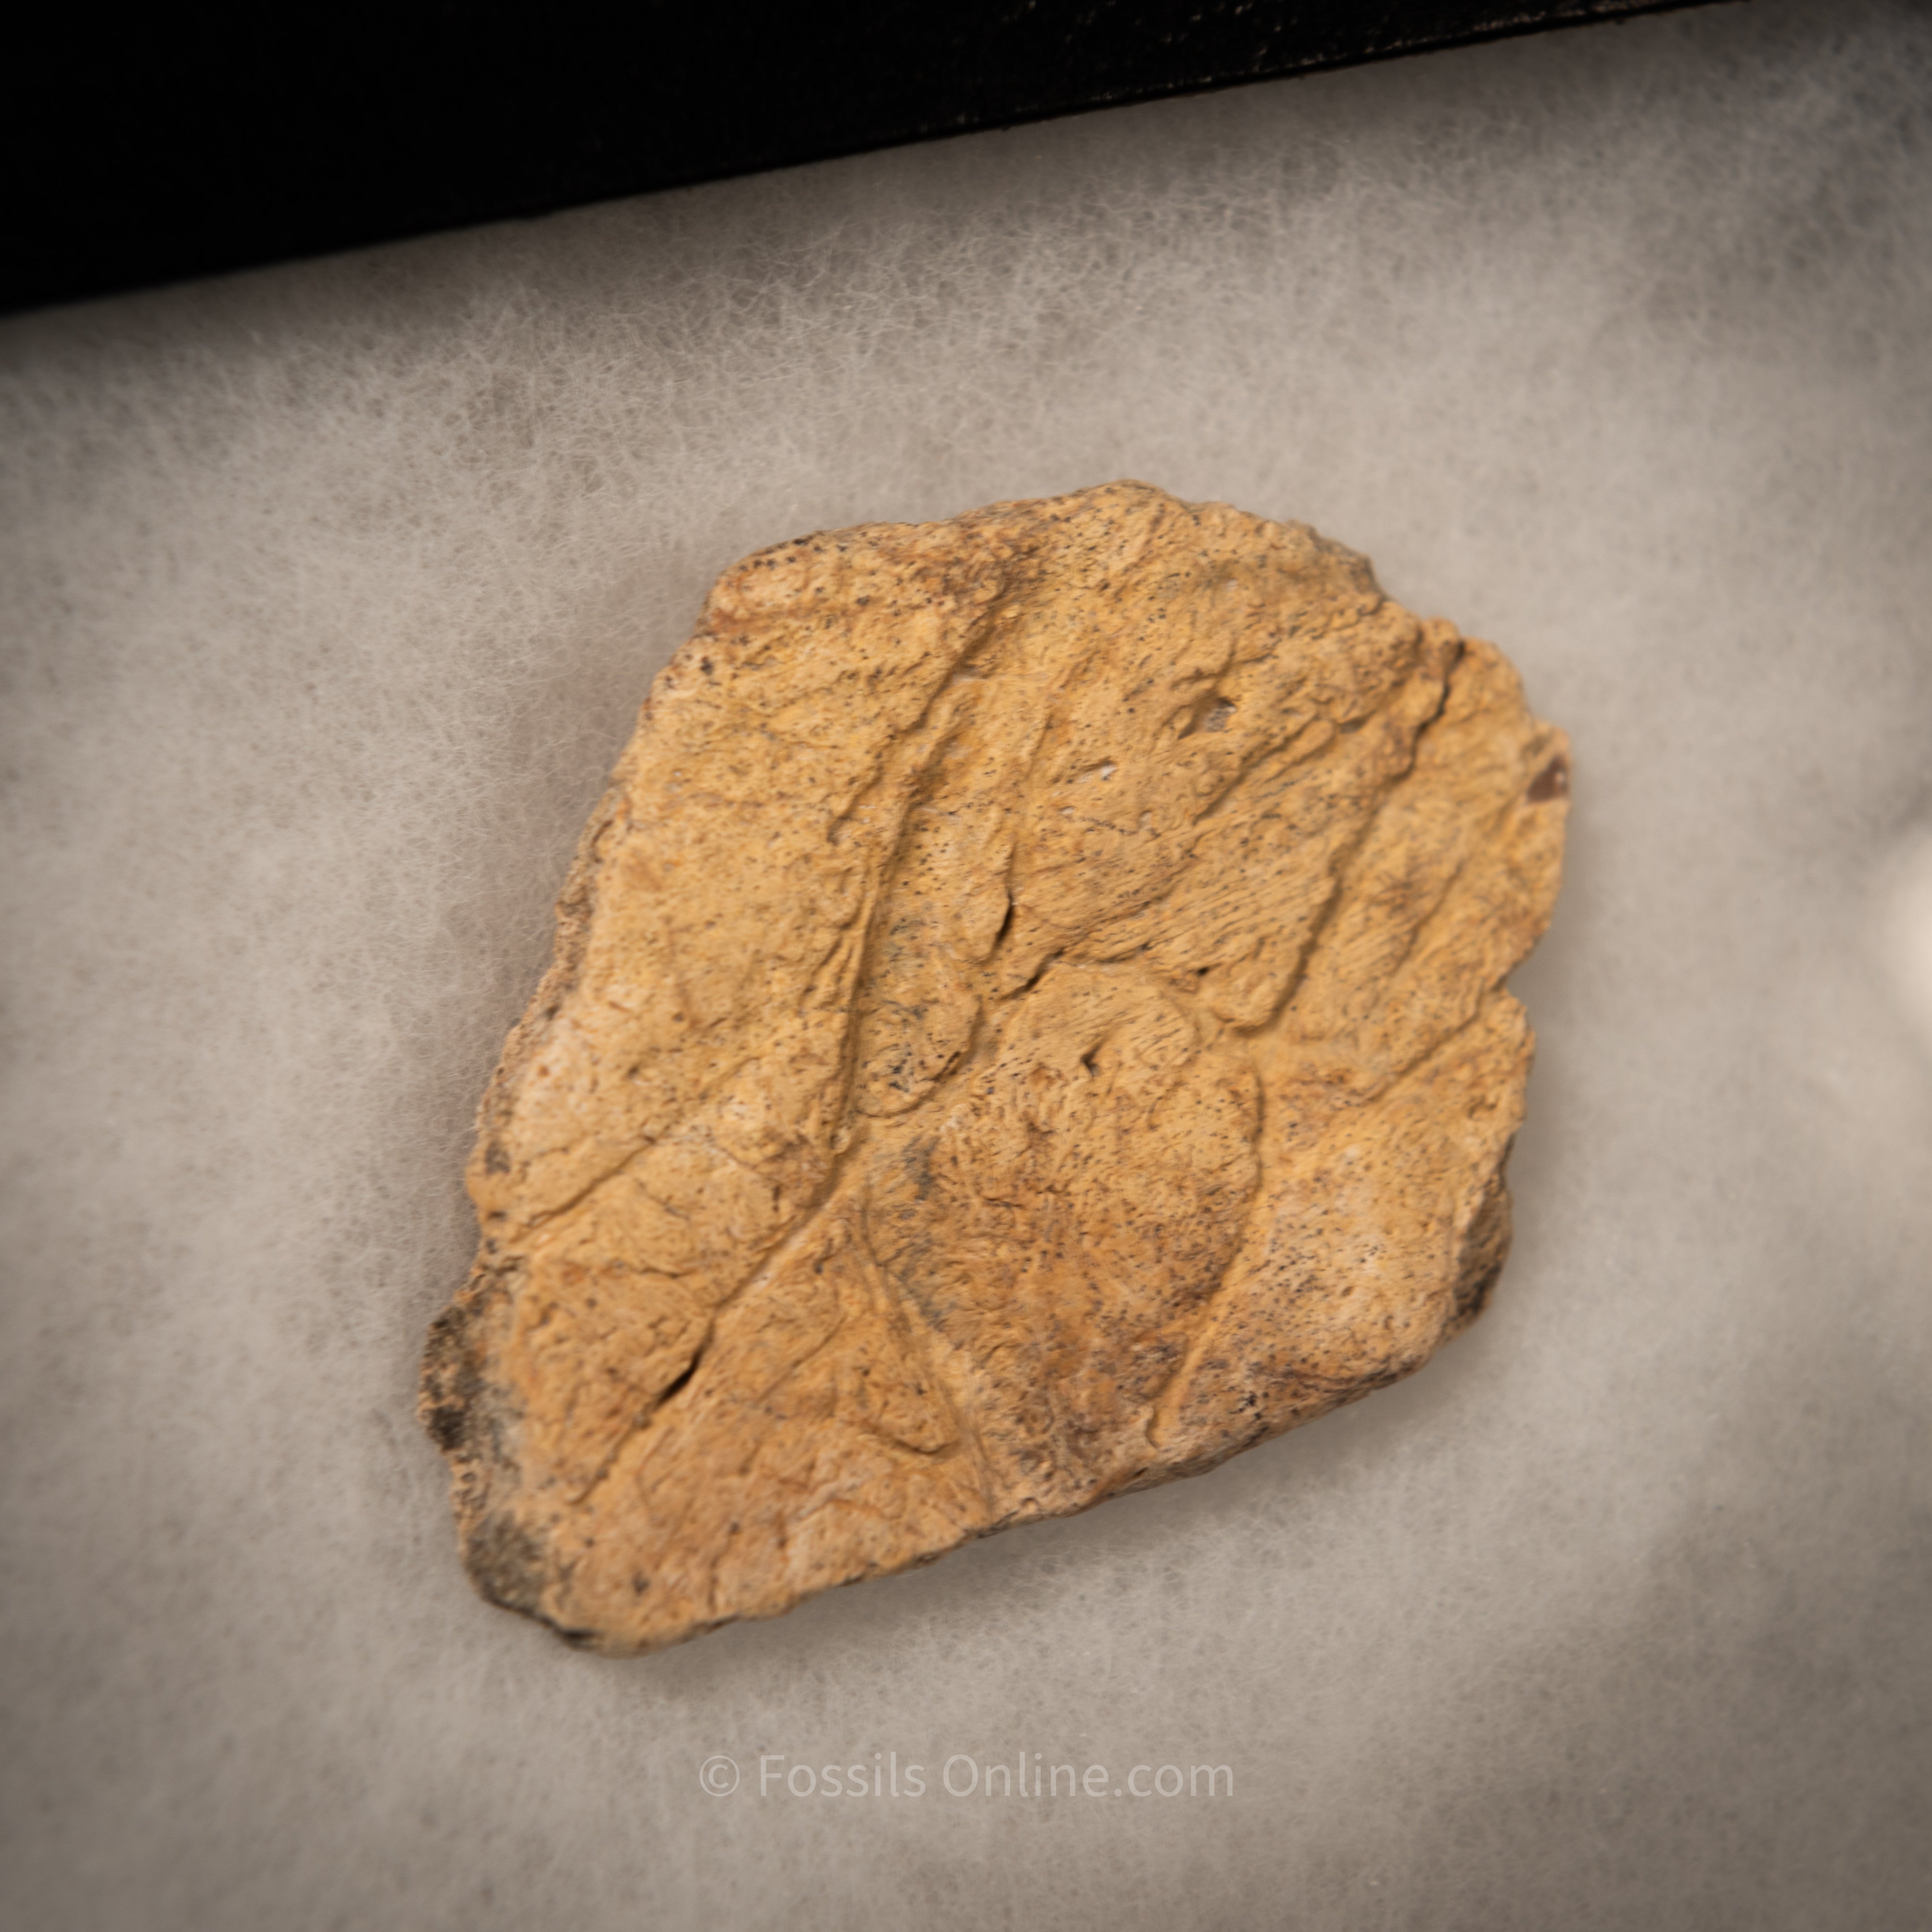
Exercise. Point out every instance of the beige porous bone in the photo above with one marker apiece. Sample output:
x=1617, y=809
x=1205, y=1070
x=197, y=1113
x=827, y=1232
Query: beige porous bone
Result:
x=1027, y=1023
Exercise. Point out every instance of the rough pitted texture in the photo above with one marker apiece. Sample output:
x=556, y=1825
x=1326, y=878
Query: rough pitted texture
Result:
x=1027, y=1022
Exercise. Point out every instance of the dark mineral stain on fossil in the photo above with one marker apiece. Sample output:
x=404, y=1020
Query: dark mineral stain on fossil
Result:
x=1553, y=782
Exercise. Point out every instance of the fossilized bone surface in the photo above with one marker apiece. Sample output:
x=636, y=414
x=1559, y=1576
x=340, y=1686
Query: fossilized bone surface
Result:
x=1027, y=1023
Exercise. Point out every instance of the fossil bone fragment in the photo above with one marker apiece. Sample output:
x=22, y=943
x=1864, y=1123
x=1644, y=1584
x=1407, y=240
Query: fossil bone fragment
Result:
x=1027, y=1023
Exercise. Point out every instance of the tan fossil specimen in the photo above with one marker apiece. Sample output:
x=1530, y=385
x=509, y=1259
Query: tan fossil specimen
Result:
x=1027, y=1022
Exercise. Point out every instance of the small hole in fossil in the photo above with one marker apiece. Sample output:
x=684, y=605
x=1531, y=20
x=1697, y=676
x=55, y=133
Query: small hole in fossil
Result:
x=1211, y=714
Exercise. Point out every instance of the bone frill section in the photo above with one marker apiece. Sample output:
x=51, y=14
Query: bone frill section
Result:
x=1027, y=1023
